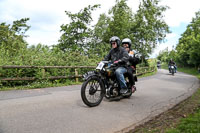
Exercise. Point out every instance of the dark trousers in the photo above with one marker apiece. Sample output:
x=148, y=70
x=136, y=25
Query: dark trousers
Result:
x=131, y=78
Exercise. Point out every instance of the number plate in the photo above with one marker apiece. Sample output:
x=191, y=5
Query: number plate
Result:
x=100, y=66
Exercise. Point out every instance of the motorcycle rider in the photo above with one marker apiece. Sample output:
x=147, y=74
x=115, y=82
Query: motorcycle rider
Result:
x=171, y=62
x=119, y=56
x=133, y=61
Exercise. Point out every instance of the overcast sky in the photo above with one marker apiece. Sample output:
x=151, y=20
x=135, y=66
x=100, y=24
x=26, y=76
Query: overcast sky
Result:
x=46, y=16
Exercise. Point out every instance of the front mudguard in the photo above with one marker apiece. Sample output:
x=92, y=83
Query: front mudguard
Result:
x=92, y=74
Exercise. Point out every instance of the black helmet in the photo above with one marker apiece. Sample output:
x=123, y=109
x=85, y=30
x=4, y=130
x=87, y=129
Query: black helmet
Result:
x=115, y=39
x=127, y=41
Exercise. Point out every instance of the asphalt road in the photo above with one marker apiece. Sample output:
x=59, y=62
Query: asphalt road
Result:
x=61, y=110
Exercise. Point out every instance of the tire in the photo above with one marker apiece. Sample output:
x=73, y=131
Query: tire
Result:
x=173, y=72
x=94, y=85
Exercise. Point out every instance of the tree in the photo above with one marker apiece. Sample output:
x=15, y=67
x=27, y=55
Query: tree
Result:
x=120, y=21
x=145, y=28
x=163, y=55
x=189, y=44
x=149, y=28
x=12, y=37
x=117, y=23
x=98, y=48
x=77, y=34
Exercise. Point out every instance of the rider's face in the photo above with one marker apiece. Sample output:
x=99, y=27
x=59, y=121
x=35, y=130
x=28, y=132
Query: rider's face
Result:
x=126, y=46
x=114, y=44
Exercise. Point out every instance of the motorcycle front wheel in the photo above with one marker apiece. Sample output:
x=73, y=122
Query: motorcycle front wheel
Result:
x=173, y=72
x=92, y=91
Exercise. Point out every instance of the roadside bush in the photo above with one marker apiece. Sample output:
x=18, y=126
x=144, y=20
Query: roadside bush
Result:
x=41, y=55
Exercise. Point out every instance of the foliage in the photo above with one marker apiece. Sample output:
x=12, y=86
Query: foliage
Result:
x=187, y=50
x=189, y=44
x=149, y=27
x=188, y=125
x=165, y=55
x=145, y=28
x=120, y=21
x=12, y=38
x=80, y=44
x=100, y=47
x=41, y=55
x=116, y=24
x=76, y=35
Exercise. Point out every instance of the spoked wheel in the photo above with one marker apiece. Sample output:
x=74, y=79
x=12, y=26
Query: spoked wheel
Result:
x=92, y=91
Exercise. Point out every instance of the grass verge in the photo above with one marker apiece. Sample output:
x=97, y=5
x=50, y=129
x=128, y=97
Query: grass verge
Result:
x=41, y=84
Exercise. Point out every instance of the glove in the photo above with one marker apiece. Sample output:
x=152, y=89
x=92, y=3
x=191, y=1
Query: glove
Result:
x=118, y=61
x=115, y=62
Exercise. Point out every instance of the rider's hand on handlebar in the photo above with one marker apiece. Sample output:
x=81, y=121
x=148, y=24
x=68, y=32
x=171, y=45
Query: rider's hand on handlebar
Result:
x=115, y=62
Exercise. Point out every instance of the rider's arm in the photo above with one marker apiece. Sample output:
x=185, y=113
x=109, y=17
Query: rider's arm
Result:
x=135, y=58
x=125, y=56
x=108, y=57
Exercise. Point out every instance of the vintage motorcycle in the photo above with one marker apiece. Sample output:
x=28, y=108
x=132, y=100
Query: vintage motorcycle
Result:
x=102, y=83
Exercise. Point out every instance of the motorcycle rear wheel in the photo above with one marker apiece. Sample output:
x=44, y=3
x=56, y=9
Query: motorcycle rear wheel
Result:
x=92, y=91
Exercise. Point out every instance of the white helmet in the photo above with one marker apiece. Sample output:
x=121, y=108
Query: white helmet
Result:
x=127, y=41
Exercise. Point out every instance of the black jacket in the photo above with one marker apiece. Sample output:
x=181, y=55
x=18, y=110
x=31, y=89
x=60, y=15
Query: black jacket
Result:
x=118, y=54
x=133, y=60
x=171, y=63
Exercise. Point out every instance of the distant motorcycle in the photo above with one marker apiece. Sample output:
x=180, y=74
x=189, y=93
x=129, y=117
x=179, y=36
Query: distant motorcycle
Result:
x=102, y=83
x=172, y=69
